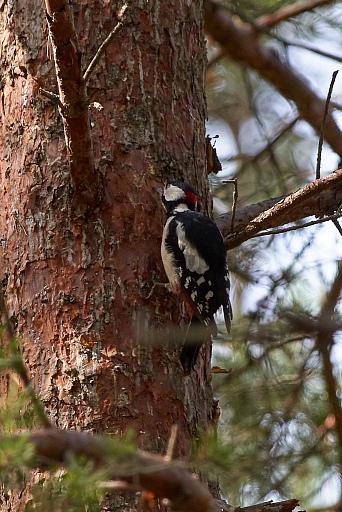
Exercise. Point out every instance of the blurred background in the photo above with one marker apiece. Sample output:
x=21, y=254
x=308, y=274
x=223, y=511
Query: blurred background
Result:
x=281, y=416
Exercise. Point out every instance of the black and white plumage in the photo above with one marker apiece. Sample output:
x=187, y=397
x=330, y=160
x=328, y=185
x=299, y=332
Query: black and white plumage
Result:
x=195, y=263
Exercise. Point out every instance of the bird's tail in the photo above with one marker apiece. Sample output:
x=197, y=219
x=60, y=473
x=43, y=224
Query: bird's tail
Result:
x=196, y=335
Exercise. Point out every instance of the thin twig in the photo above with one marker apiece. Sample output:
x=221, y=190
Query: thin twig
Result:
x=4, y=314
x=103, y=46
x=325, y=343
x=337, y=226
x=235, y=198
x=321, y=136
x=171, y=444
x=54, y=98
x=289, y=11
x=295, y=228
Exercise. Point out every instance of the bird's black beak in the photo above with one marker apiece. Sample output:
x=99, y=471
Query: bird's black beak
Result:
x=159, y=190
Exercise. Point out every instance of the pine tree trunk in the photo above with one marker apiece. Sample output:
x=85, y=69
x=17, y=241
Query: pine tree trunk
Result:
x=77, y=282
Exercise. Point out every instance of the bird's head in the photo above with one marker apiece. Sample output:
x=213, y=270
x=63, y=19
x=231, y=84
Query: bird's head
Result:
x=179, y=195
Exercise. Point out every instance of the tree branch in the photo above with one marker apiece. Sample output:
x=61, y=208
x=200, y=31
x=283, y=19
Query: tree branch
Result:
x=289, y=11
x=104, y=45
x=241, y=42
x=324, y=344
x=72, y=95
x=149, y=472
x=318, y=198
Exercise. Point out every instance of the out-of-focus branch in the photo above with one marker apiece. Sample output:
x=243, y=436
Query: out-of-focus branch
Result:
x=16, y=363
x=72, y=95
x=318, y=198
x=241, y=42
x=150, y=472
x=324, y=344
x=289, y=11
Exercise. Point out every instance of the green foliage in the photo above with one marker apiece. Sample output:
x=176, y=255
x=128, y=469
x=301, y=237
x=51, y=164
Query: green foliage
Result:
x=15, y=458
x=75, y=489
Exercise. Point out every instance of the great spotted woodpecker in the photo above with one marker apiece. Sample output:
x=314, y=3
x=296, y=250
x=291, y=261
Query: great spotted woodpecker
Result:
x=195, y=263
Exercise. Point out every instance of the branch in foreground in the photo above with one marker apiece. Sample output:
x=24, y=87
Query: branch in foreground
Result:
x=241, y=42
x=16, y=363
x=72, y=95
x=149, y=472
x=317, y=198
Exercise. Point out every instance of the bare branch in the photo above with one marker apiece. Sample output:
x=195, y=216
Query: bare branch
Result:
x=103, y=46
x=241, y=42
x=289, y=11
x=318, y=198
x=333, y=218
x=321, y=135
x=72, y=95
x=151, y=472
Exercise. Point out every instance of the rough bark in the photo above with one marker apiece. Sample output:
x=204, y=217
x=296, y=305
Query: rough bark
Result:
x=77, y=286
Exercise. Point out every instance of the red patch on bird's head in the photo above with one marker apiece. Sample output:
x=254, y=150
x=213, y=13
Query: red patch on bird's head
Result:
x=191, y=197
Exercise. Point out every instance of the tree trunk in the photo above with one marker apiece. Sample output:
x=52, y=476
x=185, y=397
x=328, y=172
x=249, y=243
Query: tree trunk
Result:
x=77, y=282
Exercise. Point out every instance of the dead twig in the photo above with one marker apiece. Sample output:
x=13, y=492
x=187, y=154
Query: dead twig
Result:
x=74, y=101
x=104, y=45
x=289, y=11
x=321, y=136
x=304, y=225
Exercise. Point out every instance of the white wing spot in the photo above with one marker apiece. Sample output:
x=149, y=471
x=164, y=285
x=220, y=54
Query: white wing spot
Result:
x=209, y=295
x=187, y=282
x=200, y=281
x=194, y=295
x=193, y=260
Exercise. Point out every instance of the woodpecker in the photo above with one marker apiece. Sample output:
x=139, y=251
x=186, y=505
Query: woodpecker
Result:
x=195, y=263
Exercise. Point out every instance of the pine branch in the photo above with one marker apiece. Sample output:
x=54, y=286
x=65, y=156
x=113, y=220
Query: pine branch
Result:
x=16, y=363
x=289, y=11
x=241, y=43
x=317, y=198
x=149, y=472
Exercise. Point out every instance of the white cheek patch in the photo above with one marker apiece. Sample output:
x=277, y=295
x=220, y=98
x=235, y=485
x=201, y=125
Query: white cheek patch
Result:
x=173, y=193
x=194, y=262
